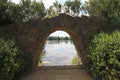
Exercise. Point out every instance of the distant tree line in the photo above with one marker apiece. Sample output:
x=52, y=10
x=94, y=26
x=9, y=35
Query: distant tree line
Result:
x=58, y=38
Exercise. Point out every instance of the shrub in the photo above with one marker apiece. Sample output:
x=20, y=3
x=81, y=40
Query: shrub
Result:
x=104, y=56
x=75, y=61
x=11, y=59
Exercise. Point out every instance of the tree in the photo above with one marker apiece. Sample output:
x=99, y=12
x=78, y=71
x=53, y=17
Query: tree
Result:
x=72, y=7
x=39, y=10
x=105, y=8
x=54, y=10
x=22, y=12
x=66, y=38
x=15, y=12
x=5, y=12
x=32, y=9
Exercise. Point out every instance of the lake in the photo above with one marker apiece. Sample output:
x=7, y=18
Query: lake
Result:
x=58, y=52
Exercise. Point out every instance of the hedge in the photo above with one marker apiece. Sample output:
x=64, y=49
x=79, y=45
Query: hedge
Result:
x=104, y=56
x=11, y=59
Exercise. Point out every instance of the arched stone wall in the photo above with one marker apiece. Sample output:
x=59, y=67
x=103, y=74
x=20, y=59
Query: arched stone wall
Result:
x=68, y=25
x=76, y=41
x=31, y=36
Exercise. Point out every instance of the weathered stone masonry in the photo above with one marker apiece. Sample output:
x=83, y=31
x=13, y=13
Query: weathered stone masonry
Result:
x=31, y=36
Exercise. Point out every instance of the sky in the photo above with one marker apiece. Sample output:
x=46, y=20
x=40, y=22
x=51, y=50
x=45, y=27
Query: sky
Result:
x=60, y=34
x=47, y=4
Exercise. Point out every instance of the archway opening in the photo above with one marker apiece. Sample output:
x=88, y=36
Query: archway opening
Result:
x=59, y=50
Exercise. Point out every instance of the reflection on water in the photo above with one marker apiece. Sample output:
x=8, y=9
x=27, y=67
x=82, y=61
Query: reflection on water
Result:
x=58, y=52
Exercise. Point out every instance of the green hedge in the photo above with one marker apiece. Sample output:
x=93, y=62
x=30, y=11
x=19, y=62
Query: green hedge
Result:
x=11, y=59
x=104, y=56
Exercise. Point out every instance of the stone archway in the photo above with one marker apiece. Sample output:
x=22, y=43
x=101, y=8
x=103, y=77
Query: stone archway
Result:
x=71, y=33
x=71, y=29
x=30, y=36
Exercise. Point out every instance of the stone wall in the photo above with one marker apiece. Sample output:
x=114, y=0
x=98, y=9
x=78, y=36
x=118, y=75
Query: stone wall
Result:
x=31, y=36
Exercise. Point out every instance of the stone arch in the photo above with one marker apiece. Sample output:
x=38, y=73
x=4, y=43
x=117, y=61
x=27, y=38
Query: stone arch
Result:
x=72, y=35
x=71, y=29
x=30, y=36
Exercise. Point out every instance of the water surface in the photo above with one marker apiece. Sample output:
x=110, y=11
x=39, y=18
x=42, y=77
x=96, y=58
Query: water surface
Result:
x=58, y=52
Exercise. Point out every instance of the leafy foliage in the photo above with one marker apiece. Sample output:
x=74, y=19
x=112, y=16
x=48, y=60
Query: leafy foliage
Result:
x=104, y=56
x=75, y=61
x=104, y=8
x=54, y=10
x=22, y=12
x=73, y=7
x=5, y=14
x=32, y=10
x=11, y=59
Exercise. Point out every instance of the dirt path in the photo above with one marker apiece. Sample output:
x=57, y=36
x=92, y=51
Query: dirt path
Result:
x=58, y=73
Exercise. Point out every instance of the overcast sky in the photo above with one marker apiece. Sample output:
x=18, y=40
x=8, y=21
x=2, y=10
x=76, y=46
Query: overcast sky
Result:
x=60, y=34
x=47, y=4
